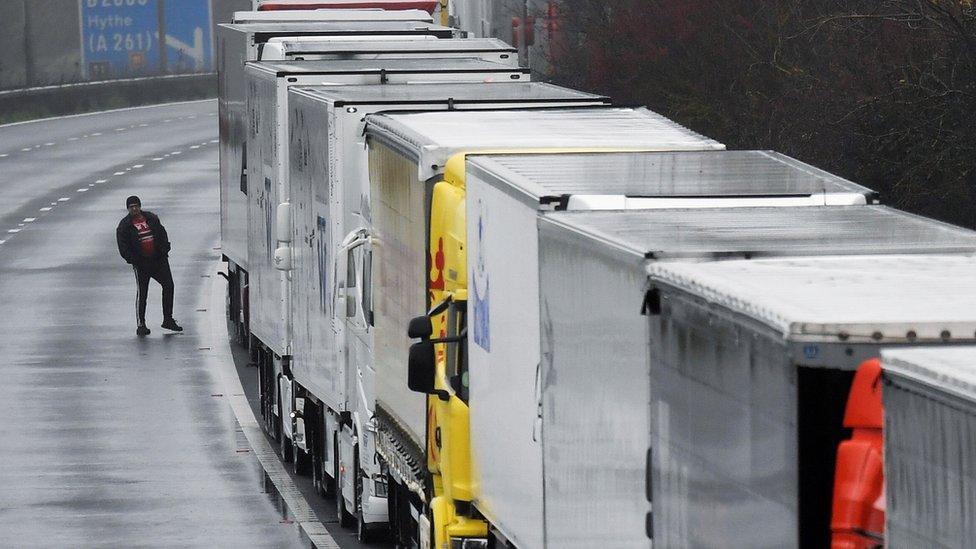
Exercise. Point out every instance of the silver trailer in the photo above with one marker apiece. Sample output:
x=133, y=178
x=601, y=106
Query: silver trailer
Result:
x=308, y=48
x=930, y=473
x=592, y=273
x=408, y=155
x=267, y=152
x=236, y=45
x=331, y=365
x=751, y=362
x=590, y=265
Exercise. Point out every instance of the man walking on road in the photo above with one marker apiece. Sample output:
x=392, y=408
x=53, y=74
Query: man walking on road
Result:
x=143, y=243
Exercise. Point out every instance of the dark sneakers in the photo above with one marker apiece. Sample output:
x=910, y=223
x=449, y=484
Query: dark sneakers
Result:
x=142, y=331
x=171, y=324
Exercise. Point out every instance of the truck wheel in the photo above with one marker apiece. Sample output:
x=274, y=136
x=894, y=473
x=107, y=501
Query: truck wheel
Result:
x=345, y=519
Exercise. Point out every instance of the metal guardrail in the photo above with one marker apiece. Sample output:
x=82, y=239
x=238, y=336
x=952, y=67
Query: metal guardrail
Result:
x=64, y=99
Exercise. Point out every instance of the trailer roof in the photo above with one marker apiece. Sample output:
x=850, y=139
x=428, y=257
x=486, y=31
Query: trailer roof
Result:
x=457, y=92
x=432, y=138
x=268, y=29
x=663, y=174
x=947, y=369
x=853, y=298
x=319, y=45
x=751, y=232
x=332, y=15
x=398, y=65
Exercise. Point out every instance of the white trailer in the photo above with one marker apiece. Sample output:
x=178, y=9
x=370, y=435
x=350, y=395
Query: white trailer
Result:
x=929, y=399
x=307, y=48
x=267, y=190
x=408, y=154
x=331, y=368
x=236, y=45
x=592, y=312
x=750, y=365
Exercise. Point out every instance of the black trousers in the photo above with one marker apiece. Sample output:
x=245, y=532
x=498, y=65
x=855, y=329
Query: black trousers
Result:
x=158, y=271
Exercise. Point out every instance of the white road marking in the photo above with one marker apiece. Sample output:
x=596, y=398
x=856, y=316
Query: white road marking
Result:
x=29, y=219
x=102, y=181
x=96, y=133
x=12, y=231
x=119, y=173
x=192, y=116
x=120, y=129
x=157, y=159
x=168, y=120
x=214, y=140
x=138, y=166
x=143, y=125
x=194, y=146
x=49, y=144
x=4, y=155
x=26, y=150
x=72, y=139
x=63, y=199
x=45, y=209
x=174, y=153
x=2, y=241
x=91, y=184
x=83, y=190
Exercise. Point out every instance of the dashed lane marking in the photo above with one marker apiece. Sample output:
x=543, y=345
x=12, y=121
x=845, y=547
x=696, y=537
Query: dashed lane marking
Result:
x=194, y=146
x=83, y=190
x=49, y=144
x=174, y=153
x=119, y=173
x=63, y=199
x=29, y=219
x=26, y=149
x=137, y=166
x=4, y=155
x=45, y=209
x=102, y=181
x=96, y=134
x=157, y=159
x=13, y=231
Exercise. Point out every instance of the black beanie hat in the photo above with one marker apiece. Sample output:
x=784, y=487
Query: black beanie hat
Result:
x=132, y=201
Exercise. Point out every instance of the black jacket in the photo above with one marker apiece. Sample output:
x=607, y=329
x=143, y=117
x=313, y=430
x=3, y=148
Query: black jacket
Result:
x=128, y=239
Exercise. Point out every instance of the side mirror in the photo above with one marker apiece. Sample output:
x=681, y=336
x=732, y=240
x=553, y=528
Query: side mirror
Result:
x=420, y=367
x=420, y=328
x=282, y=259
x=283, y=222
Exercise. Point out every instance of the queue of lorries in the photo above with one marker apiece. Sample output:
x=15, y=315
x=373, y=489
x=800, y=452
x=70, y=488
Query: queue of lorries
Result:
x=492, y=312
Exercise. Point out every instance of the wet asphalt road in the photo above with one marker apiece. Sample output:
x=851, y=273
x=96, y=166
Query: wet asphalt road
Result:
x=107, y=440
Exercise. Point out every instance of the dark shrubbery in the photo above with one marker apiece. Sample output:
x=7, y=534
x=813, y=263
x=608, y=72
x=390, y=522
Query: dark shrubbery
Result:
x=878, y=91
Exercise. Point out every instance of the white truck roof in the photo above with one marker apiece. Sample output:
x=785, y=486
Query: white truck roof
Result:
x=278, y=5
x=675, y=176
x=756, y=232
x=419, y=65
x=947, y=369
x=858, y=298
x=269, y=29
x=432, y=138
x=310, y=45
x=332, y=15
x=459, y=92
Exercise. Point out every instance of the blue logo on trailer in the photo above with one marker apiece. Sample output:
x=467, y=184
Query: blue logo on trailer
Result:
x=481, y=288
x=122, y=37
x=810, y=352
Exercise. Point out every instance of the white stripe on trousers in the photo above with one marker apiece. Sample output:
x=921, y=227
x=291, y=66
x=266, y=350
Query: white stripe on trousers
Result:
x=138, y=294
